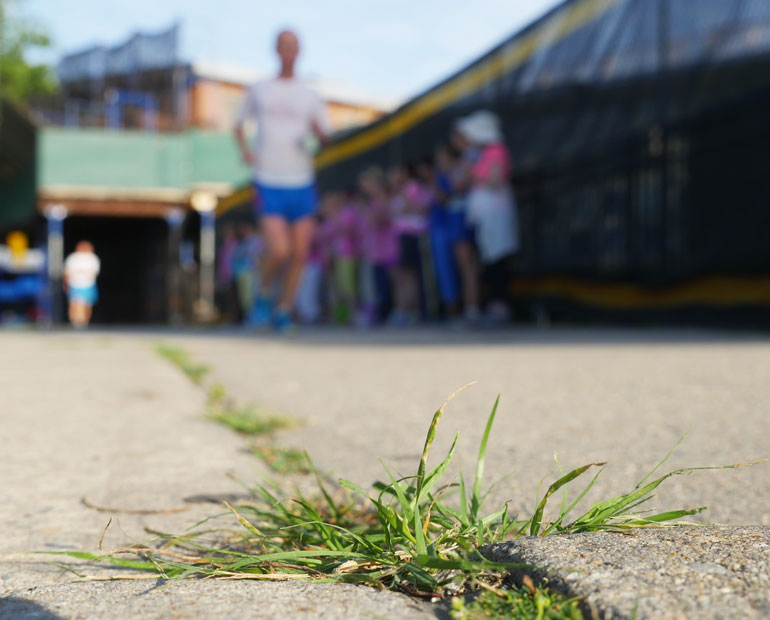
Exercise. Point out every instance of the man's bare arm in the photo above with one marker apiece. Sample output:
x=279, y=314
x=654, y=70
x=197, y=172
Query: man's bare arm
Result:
x=323, y=138
x=246, y=153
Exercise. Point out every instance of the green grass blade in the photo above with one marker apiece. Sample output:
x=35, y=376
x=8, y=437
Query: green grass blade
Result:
x=480, y=462
x=312, y=555
x=465, y=564
x=451, y=513
x=404, y=502
x=351, y=486
x=407, y=514
x=421, y=577
x=431, y=436
x=563, y=508
x=419, y=536
x=671, y=515
x=426, y=447
x=435, y=474
x=333, y=509
x=122, y=562
x=537, y=517
x=662, y=462
x=566, y=511
x=466, y=518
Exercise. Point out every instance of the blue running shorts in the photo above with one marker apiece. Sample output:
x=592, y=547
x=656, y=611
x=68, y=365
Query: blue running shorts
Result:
x=291, y=203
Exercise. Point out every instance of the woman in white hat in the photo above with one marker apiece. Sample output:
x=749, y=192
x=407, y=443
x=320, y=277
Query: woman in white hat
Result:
x=491, y=208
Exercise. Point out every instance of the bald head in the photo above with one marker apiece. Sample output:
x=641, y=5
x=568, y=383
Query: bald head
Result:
x=287, y=46
x=84, y=246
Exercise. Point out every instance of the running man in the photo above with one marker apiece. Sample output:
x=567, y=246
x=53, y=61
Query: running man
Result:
x=291, y=120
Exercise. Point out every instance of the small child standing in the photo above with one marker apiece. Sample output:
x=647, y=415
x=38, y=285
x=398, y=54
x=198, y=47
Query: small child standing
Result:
x=380, y=240
x=80, y=271
x=347, y=228
x=492, y=209
x=441, y=239
x=410, y=201
x=245, y=266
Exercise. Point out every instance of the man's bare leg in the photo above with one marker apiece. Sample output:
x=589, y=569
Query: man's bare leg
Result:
x=277, y=236
x=301, y=238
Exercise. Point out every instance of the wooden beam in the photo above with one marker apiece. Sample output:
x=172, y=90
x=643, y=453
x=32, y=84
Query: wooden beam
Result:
x=113, y=208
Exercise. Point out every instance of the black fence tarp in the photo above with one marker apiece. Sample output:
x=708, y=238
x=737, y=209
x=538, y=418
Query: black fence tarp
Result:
x=639, y=131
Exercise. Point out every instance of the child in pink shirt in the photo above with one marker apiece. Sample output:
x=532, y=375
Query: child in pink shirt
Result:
x=346, y=248
x=491, y=207
x=493, y=167
x=380, y=239
x=410, y=201
x=347, y=228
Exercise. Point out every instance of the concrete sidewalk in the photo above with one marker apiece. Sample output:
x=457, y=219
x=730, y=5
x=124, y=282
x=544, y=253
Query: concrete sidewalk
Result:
x=99, y=415
x=101, y=418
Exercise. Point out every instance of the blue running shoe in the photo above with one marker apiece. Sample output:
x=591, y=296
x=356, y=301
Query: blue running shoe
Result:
x=261, y=313
x=283, y=322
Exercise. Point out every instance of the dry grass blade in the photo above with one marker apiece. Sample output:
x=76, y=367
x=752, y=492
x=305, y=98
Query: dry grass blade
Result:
x=243, y=521
x=225, y=576
x=131, y=577
x=131, y=511
x=104, y=532
x=160, y=551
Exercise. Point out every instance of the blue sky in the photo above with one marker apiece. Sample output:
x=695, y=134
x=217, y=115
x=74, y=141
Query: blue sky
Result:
x=387, y=49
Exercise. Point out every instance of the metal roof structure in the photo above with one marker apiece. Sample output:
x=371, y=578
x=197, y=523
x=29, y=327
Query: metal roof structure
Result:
x=140, y=52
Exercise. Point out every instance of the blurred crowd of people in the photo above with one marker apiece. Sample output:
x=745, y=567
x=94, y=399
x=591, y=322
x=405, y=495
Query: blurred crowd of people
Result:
x=424, y=239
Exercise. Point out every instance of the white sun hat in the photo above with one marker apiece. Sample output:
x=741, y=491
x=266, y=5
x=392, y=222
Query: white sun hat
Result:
x=480, y=127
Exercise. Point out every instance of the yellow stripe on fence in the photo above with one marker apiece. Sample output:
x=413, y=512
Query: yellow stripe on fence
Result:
x=721, y=291
x=508, y=58
x=236, y=199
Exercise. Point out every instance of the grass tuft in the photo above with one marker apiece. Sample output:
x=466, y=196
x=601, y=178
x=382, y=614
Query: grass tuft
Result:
x=282, y=460
x=244, y=419
x=181, y=359
x=517, y=604
x=418, y=534
x=247, y=420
